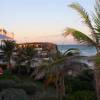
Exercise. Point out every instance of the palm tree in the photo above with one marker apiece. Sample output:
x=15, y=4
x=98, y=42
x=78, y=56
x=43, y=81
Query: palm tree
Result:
x=26, y=54
x=8, y=47
x=54, y=70
x=84, y=38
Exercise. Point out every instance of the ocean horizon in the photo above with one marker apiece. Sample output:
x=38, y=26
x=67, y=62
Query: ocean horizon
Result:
x=85, y=50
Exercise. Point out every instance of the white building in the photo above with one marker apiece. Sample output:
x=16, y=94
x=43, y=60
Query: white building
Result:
x=4, y=34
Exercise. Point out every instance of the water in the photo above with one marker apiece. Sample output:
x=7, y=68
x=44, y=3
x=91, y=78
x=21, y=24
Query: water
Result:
x=84, y=49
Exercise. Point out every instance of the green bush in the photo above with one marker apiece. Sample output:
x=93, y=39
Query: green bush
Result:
x=28, y=87
x=13, y=94
x=84, y=81
x=15, y=78
x=6, y=74
x=4, y=84
x=3, y=66
x=82, y=95
x=21, y=69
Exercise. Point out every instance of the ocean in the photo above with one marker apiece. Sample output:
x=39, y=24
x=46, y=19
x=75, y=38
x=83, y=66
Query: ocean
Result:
x=84, y=49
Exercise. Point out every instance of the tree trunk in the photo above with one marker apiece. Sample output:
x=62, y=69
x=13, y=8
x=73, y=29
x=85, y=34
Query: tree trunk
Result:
x=97, y=49
x=9, y=66
x=97, y=79
x=61, y=86
x=28, y=66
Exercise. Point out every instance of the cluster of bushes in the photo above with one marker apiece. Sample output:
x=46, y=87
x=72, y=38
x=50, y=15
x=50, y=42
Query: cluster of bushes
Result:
x=85, y=81
x=78, y=95
x=12, y=87
x=28, y=87
x=13, y=94
x=80, y=87
x=81, y=95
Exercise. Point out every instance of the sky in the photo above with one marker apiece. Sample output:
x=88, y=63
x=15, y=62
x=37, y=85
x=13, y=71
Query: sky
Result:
x=42, y=20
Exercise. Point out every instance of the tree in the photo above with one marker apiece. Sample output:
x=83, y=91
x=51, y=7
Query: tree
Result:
x=54, y=70
x=8, y=47
x=26, y=54
x=84, y=38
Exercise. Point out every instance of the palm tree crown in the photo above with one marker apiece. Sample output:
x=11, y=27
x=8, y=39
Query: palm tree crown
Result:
x=8, y=47
x=95, y=29
x=84, y=38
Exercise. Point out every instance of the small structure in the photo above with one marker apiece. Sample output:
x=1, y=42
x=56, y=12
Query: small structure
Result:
x=41, y=46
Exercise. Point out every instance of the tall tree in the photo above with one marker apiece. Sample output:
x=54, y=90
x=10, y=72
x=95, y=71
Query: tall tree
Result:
x=84, y=38
x=8, y=47
x=54, y=70
x=26, y=54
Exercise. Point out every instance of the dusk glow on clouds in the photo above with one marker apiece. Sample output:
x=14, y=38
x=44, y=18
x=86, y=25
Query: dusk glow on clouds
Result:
x=41, y=20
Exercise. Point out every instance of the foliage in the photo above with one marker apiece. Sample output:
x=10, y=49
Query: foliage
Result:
x=54, y=71
x=28, y=87
x=8, y=75
x=95, y=30
x=79, y=36
x=25, y=60
x=26, y=53
x=21, y=69
x=56, y=64
x=95, y=33
x=96, y=18
x=97, y=60
x=8, y=47
x=13, y=94
x=7, y=83
x=84, y=81
x=87, y=75
x=84, y=15
x=82, y=95
x=3, y=66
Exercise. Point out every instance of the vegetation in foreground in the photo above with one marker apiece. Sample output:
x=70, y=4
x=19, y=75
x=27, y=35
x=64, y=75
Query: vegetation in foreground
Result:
x=20, y=83
x=55, y=84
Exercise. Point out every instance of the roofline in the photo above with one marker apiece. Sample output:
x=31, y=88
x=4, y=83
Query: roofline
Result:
x=36, y=43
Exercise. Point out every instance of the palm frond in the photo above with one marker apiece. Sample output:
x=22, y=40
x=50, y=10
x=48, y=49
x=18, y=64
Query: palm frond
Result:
x=72, y=51
x=7, y=45
x=96, y=18
x=84, y=15
x=79, y=36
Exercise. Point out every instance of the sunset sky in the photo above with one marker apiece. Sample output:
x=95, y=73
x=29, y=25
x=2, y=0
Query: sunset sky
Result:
x=41, y=20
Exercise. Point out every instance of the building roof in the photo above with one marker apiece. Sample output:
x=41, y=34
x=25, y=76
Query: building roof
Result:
x=4, y=34
x=4, y=37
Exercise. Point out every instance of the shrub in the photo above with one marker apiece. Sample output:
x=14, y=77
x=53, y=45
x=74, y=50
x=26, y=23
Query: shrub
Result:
x=6, y=74
x=3, y=66
x=82, y=95
x=28, y=87
x=21, y=69
x=13, y=94
x=15, y=78
x=84, y=81
x=6, y=84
